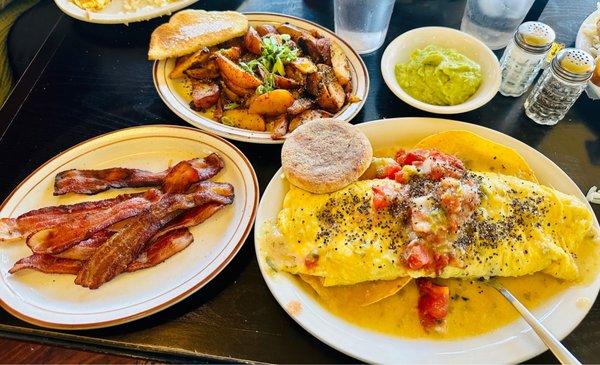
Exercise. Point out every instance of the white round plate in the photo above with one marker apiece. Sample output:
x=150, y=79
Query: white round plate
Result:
x=114, y=13
x=53, y=300
x=512, y=343
x=582, y=41
x=173, y=93
x=399, y=50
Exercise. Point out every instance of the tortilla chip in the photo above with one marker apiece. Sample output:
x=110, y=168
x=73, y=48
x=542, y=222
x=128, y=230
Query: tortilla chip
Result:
x=362, y=294
x=480, y=154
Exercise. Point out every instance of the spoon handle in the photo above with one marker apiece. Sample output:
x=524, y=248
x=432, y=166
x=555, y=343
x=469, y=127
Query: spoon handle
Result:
x=562, y=354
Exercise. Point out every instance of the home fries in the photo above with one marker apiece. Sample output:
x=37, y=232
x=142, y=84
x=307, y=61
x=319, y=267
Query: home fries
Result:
x=268, y=77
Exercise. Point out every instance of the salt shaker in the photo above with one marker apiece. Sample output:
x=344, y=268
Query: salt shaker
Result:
x=559, y=86
x=524, y=56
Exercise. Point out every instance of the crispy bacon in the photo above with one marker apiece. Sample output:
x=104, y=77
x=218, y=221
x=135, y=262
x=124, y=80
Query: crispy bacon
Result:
x=197, y=215
x=86, y=248
x=191, y=218
x=169, y=241
x=35, y=220
x=161, y=249
x=113, y=257
x=48, y=264
x=95, y=181
x=186, y=173
x=56, y=239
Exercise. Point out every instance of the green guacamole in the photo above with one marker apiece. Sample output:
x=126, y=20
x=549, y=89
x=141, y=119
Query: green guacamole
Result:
x=439, y=76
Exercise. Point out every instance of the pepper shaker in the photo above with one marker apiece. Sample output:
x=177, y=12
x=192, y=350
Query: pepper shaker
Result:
x=524, y=56
x=559, y=86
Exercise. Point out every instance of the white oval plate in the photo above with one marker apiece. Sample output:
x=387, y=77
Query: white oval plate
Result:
x=509, y=344
x=172, y=91
x=53, y=300
x=582, y=42
x=399, y=50
x=114, y=12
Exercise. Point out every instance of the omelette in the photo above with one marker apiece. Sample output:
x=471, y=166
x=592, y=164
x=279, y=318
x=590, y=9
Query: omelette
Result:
x=518, y=228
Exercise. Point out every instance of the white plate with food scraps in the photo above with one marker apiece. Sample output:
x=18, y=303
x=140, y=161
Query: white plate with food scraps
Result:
x=513, y=343
x=584, y=41
x=54, y=301
x=123, y=11
x=176, y=95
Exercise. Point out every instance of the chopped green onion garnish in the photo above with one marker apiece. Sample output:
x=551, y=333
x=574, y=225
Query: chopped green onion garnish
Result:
x=230, y=106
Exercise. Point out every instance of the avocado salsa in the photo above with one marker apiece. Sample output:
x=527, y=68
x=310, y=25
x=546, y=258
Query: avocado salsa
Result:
x=439, y=76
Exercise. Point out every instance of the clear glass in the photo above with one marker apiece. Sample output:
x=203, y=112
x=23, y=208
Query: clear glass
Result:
x=494, y=21
x=519, y=69
x=551, y=98
x=363, y=23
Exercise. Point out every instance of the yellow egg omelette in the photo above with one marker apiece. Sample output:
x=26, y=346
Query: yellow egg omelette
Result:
x=519, y=228
x=516, y=227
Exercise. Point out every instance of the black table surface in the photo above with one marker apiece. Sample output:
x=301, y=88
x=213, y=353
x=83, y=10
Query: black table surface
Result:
x=87, y=79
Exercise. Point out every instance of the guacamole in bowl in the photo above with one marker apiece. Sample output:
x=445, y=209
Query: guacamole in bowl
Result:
x=439, y=76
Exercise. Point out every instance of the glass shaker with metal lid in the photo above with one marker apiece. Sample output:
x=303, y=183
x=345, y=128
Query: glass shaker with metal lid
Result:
x=559, y=86
x=524, y=56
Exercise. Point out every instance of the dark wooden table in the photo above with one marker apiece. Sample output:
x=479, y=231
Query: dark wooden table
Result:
x=87, y=79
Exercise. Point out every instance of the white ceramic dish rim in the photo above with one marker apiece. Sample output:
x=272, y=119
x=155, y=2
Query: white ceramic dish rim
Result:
x=171, y=99
x=581, y=42
x=102, y=17
x=496, y=345
x=472, y=103
x=164, y=299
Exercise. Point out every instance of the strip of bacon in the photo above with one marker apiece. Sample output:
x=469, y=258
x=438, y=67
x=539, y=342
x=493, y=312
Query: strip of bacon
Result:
x=86, y=248
x=95, y=181
x=60, y=210
x=158, y=251
x=48, y=264
x=161, y=249
x=186, y=173
x=56, y=239
x=191, y=218
x=113, y=257
x=197, y=215
x=35, y=220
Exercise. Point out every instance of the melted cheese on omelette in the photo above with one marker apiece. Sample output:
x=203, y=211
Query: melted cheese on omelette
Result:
x=518, y=228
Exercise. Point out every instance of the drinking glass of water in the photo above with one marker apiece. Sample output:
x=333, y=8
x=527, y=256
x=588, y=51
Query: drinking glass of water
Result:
x=363, y=23
x=494, y=21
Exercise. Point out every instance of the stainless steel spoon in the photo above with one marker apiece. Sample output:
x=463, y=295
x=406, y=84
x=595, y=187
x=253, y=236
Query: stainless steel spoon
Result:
x=562, y=354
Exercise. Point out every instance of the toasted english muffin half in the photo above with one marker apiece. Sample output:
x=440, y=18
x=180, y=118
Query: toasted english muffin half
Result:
x=190, y=30
x=325, y=155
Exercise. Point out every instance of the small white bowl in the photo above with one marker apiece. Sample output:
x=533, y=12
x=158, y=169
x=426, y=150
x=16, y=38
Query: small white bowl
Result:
x=399, y=50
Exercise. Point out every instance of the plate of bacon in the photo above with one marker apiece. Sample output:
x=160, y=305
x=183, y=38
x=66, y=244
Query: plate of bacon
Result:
x=123, y=225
